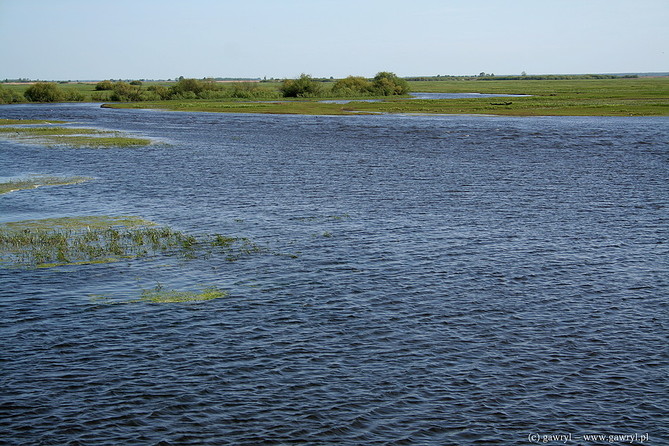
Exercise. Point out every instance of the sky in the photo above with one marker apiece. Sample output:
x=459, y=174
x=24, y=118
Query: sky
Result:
x=165, y=39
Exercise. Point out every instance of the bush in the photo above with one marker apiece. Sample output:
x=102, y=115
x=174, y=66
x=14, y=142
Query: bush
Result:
x=184, y=87
x=161, y=91
x=9, y=96
x=250, y=90
x=44, y=92
x=73, y=96
x=388, y=84
x=304, y=87
x=104, y=85
x=352, y=86
x=124, y=92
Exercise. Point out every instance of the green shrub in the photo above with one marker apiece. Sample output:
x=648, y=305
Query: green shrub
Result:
x=9, y=96
x=193, y=88
x=352, y=86
x=104, y=85
x=44, y=92
x=124, y=92
x=73, y=96
x=304, y=87
x=161, y=91
x=388, y=84
x=250, y=90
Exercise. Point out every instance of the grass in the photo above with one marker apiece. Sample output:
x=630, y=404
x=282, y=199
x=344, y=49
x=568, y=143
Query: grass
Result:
x=159, y=294
x=575, y=97
x=28, y=121
x=162, y=295
x=83, y=240
x=38, y=181
x=97, y=142
x=73, y=137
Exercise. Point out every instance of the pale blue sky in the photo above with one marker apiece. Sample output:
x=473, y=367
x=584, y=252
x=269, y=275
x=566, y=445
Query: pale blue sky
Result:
x=161, y=39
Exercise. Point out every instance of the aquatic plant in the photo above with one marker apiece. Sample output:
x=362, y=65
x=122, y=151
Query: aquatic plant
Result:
x=102, y=239
x=38, y=181
x=161, y=295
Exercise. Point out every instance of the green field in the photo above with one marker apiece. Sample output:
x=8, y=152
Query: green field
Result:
x=581, y=97
x=644, y=96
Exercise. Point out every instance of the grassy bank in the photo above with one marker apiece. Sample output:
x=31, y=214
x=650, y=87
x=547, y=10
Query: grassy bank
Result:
x=577, y=97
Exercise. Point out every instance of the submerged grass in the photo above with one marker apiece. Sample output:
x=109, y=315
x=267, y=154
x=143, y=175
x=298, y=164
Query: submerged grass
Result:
x=103, y=239
x=38, y=181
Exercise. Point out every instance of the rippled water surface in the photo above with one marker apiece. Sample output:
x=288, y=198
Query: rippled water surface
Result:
x=441, y=280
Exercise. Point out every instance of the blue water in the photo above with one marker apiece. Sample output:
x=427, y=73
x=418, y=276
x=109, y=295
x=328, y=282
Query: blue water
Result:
x=447, y=280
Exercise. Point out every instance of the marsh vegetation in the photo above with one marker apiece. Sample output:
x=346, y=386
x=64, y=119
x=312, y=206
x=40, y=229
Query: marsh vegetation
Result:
x=38, y=181
x=72, y=137
x=105, y=239
x=583, y=95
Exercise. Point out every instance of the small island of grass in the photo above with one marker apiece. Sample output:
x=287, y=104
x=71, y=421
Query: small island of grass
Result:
x=38, y=181
x=72, y=137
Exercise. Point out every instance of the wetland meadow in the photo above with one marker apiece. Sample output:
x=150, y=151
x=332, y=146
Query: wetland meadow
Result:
x=336, y=269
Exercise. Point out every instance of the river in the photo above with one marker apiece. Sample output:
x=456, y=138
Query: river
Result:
x=441, y=280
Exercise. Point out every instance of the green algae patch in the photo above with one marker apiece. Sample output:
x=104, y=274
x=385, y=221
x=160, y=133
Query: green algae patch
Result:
x=39, y=181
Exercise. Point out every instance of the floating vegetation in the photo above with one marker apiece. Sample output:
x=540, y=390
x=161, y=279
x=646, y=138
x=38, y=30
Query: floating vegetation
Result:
x=159, y=294
x=103, y=239
x=162, y=295
x=38, y=181
x=72, y=137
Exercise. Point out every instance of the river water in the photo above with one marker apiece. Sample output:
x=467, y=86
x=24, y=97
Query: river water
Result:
x=449, y=280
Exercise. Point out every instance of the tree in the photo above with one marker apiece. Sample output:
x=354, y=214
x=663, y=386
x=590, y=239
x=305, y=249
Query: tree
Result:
x=387, y=84
x=304, y=87
x=43, y=92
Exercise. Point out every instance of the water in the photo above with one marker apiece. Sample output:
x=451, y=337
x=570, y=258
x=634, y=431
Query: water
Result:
x=433, y=96
x=459, y=280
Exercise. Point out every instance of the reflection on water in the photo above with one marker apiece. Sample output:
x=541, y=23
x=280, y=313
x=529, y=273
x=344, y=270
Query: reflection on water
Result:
x=442, y=280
